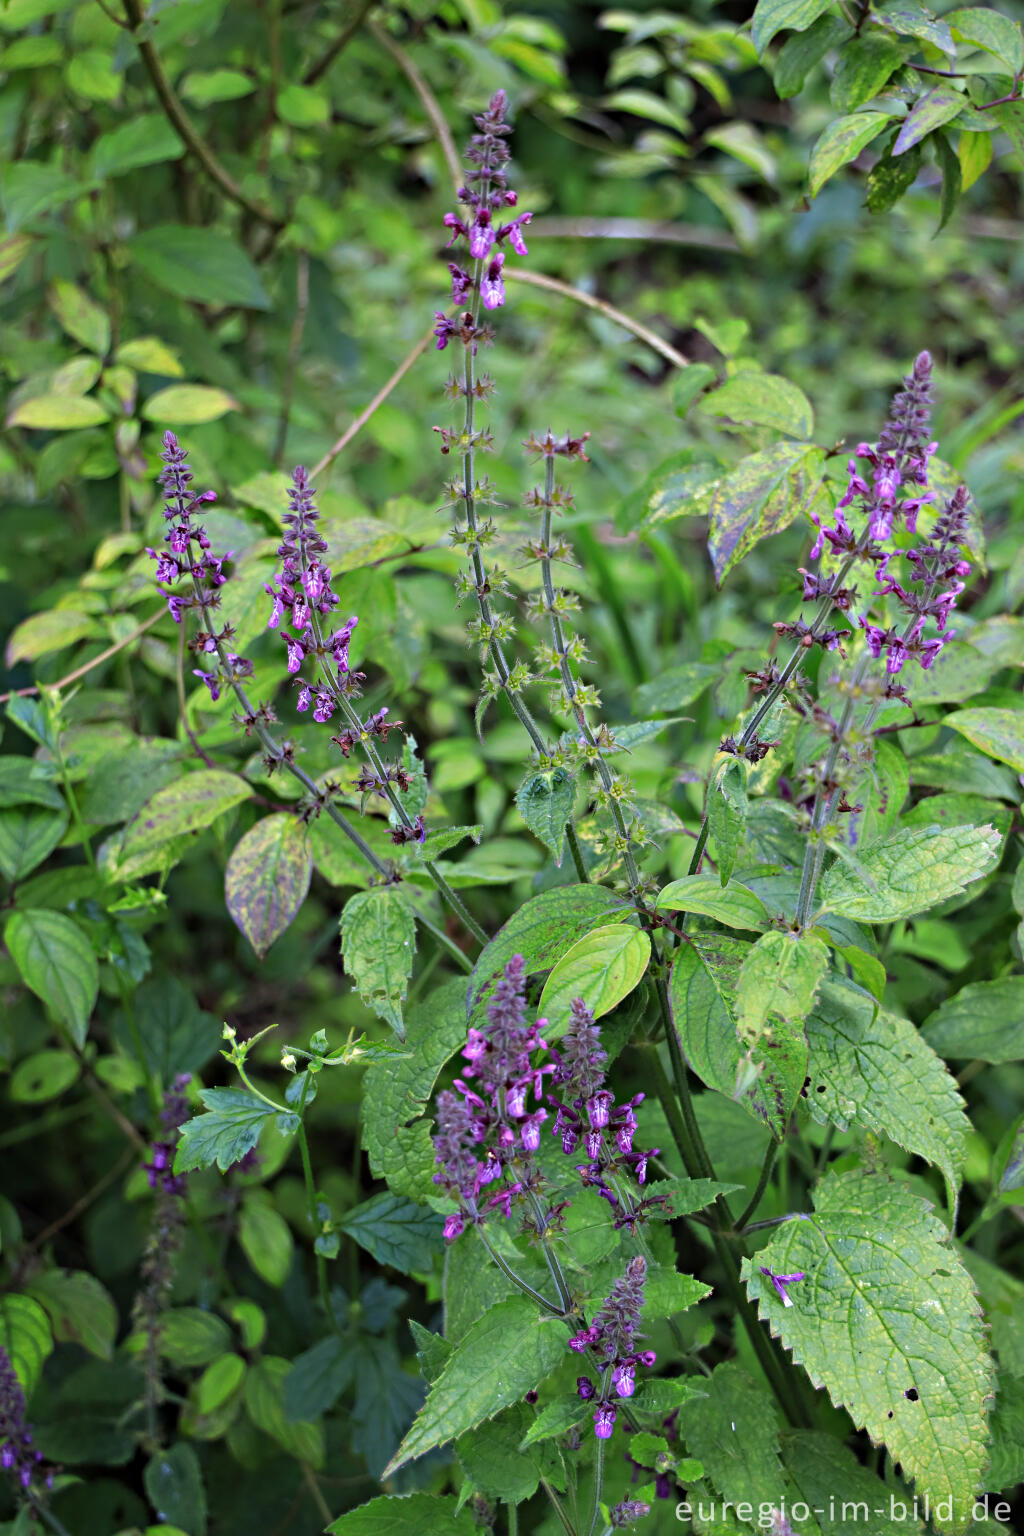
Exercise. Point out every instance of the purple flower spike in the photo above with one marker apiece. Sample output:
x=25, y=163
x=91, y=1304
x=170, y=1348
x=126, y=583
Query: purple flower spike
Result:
x=780, y=1283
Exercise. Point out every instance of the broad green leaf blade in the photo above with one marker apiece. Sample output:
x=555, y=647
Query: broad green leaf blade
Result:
x=909, y=872
x=864, y=65
x=841, y=142
x=666, y=1293
x=778, y=979
x=493, y=1461
x=506, y=1354
x=378, y=941
x=80, y=316
x=265, y=1238
x=542, y=931
x=182, y=809
x=991, y=30
x=982, y=1022
x=763, y=400
x=801, y=52
x=406, y=1236
x=80, y=1308
x=188, y=405
x=317, y=1379
x=28, y=834
x=412, y=1516
x=887, y=1320
x=940, y=105
x=733, y=1429
x=230, y=1128
x=843, y=1494
x=873, y=1069
x=55, y=961
x=544, y=801
x=25, y=1338
x=203, y=265
x=26, y=782
x=174, y=1483
x=764, y=494
x=43, y=633
x=58, y=413
x=997, y=732
x=147, y=138
x=602, y=968
x=264, y=1400
x=735, y=905
x=727, y=810
x=267, y=879
x=771, y=16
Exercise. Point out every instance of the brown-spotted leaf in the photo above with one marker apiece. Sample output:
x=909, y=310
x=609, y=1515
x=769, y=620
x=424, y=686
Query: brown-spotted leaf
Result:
x=267, y=879
x=764, y=494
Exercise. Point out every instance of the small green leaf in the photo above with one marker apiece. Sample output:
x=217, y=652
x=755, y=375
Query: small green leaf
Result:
x=396, y=1232
x=864, y=65
x=266, y=1238
x=147, y=138
x=317, y=1379
x=91, y=73
x=997, y=732
x=890, y=178
x=991, y=30
x=909, y=872
x=689, y=383
x=57, y=413
x=734, y=905
x=43, y=633
x=264, y=1401
x=553, y=1420
x=778, y=979
x=188, y=405
x=81, y=1310
x=764, y=400
x=28, y=834
x=25, y=1338
x=952, y=178
x=544, y=801
x=199, y=264
x=191, y=1336
x=174, y=1485
x=229, y=1130
x=678, y=686
x=887, y=1320
x=974, y=153
x=205, y=86
x=602, y=968
x=33, y=188
x=801, y=52
x=771, y=16
x=301, y=107
x=184, y=808
x=982, y=1022
x=150, y=355
x=378, y=942
x=764, y=494
x=80, y=316
x=841, y=142
x=55, y=961
x=43, y=1076
x=726, y=811
x=667, y=1293
x=507, y=1353
x=267, y=879
x=219, y=1383
x=940, y=105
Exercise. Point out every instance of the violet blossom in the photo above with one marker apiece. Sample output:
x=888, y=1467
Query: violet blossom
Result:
x=18, y=1456
x=611, y=1338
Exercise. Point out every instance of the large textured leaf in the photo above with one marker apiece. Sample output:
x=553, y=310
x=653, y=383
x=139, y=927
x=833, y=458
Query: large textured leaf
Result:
x=778, y=979
x=80, y=1308
x=25, y=1338
x=991, y=30
x=267, y=878
x=506, y=1354
x=873, y=1069
x=544, y=801
x=43, y=633
x=413, y=1516
x=982, y=1022
x=602, y=968
x=998, y=732
x=887, y=1320
x=396, y=1232
x=914, y=869
x=378, y=941
x=764, y=400
x=734, y=1431
x=764, y=493
x=844, y=1495
x=180, y=810
x=863, y=67
x=55, y=961
x=939, y=105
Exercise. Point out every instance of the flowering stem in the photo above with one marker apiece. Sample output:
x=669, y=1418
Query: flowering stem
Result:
x=554, y=1266
x=517, y=1280
x=598, y=1485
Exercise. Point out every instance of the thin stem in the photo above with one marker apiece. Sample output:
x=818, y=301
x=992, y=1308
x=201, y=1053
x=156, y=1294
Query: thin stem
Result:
x=598, y=1485
x=762, y=1185
x=360, y=421
x=307, y=1175
x=309, y=1477
x=448, y=945
x=554, y=1267
x=517, y=1280
x=556, y=1505
x=513, y=1519
x=97, y=661
x=341, y=42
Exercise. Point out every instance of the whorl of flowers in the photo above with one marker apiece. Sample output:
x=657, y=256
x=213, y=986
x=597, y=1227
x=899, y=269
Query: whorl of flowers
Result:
x=159, y=1169
x=18, y=1457
x=489, y=1132
x=611, y=1338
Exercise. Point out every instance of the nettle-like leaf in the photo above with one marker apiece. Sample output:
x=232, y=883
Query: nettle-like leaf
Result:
x=734, y=1431
x=230, y=1128
x=826, y=1476
x=409, y=1516
x=764, y=400
x=506, y=1354
x=267, y=879
x=378, y=942
x=887, y=1320
x=80, y=1308
x=727, y=810
x=602, y=968
x=873, y=1069
x=264, y=1402
x=982, y=1022
x=396, y=1232
x=997, y=732
x=909, y=872
x=764, y=494
x=544, y=801
x=778, y=979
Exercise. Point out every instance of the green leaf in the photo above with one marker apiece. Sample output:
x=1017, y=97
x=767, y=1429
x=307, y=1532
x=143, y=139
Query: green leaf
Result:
x=734, y=1431
x=887, y=1320
x=90, y=73
x=952, y=178
x=42, y=633
x=909, y=872
x=188, y=405
x=974, y=153
x=191, y=1336
x=80, y=316
x=554, y=1419
x=734, y=905
x=726, y=810
x=801, y=52
x=602, y=968
x=120, y=782
x=763, y=400
x=317, y=1379
x=544, y=801
x=205, y=86
x=991, y=30
x=183, y=808
x=873, y=1069
x=176, y=1036
x=890, y=178
x=982, y=1022
x=764, y=494
x=57, y=413
x=267, y=879
x=689, y=383
x=266, y=1238
x=147, y=138
x=494, y=1463
x=219, y=1383
x=778, y=979
x=681, y=486
x=506, y=1354
x=150, y=355
x=25, y=1338
x=997, y=732
x=264, y=1401
x=378, y=941
x=32, y=188
x=302, y=107
x=677, y=686
x=81, y=1310
x=940, y=105
x=13, y=252
x=843, y=1494
x=771, y=16
x=666, y=1293
x=42, y=1076
x=202, y=265
x=841, y=142
x=864, y=65
x=55, y=961
x=28, y=834
x=542, y=931
x=229, y=1130
x=396, y=1232
x=410, y=1516
x=174, y=1486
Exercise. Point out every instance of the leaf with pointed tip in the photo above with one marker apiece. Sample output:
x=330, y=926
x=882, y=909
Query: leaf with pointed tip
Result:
x=405, y=1516
x=887, y=1320
x=734, y=1431
x=778, y=980
x=378, y=941
x=997, y=732
x=914, y=869
x=727, y=811
x=735, y=905
x=182, y=809
x=267, y=878
x=764, y=494
x=771, y=16
x=55, y=961
x=939, y=105
x=602, y=968
x=841, y=142
x=544, y=801
x=982, y=1022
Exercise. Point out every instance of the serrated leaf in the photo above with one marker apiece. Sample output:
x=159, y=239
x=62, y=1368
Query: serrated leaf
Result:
x=888, y=1321
x=677, y=686
x=997, y=732
x=378, y=942
x=55, y=961
x=778, y=979
x=554, y=1419
x=267, y=879
x=735, y=905
x=544, y=801
x=771, y=16
x=396, y=1232
x=841, y=142
x=873, y=1069
x=493, y=1460
x=25, y=1338
x=833, y=1483
x=666, y=1293
x=734, y=1431
x=437, y=843
x=764, y=400
x=188, y=405
x=506, y=1354
x=726, y=810
x=939, y=105
x=409, y=1516
x=200, y=264
x=230, y=1128
x=764, y=494
x=602, y=968
x=982, y=1022
x=909, y=872
x=182, y=809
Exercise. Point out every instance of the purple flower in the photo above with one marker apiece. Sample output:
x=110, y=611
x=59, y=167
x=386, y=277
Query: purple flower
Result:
x=17, y=1454
x=485, y=196
x=492, y=288
x=780, y=1283
x=604, y=1421
x=624, y=1514
x=587, y=1112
